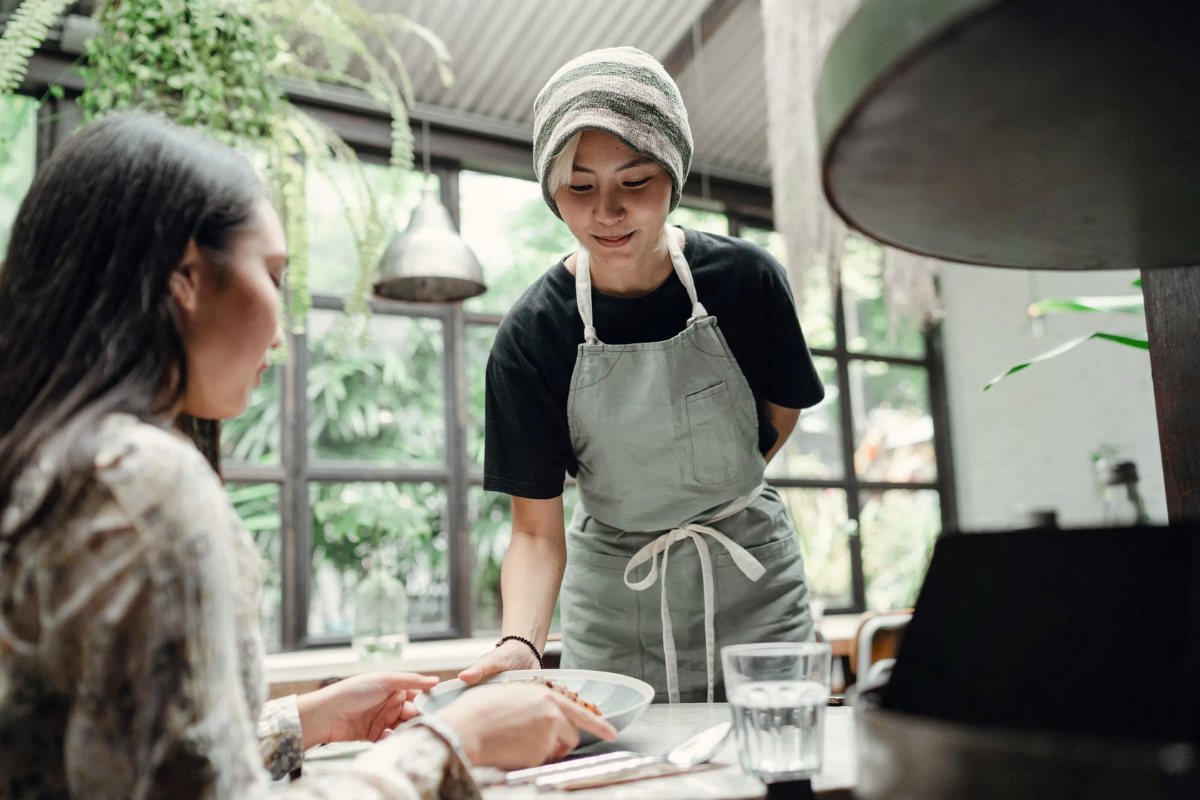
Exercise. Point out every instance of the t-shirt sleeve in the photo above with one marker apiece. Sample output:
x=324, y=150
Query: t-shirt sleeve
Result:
x=527, y=445
x=791, y=377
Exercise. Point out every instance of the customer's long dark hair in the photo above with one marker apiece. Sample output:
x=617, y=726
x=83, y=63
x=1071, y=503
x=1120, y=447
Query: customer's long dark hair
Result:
x=87, y=323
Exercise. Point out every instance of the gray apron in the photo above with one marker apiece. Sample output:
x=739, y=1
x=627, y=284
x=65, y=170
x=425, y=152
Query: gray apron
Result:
x=666, y=438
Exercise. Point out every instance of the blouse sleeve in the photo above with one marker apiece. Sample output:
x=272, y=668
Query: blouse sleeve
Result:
x=161, y=711
x=280, y=738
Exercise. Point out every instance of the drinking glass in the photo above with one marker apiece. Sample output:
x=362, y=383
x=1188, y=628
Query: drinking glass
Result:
x=778, y=692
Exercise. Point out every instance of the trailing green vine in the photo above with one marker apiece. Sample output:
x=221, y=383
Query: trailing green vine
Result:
x=221, y=65
x=24, y=33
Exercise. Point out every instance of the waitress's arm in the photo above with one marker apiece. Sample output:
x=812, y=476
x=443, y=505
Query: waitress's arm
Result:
x=784, y=420
x=529, y=582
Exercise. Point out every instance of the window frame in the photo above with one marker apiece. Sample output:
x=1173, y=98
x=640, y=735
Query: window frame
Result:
x=367, y=130
x=854, y=487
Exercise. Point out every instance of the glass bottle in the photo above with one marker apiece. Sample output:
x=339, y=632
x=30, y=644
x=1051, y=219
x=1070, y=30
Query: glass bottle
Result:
x=380, y=614
x=1122, y=501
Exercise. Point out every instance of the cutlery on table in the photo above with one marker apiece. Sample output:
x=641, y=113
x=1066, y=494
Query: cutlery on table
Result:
x=690, y=754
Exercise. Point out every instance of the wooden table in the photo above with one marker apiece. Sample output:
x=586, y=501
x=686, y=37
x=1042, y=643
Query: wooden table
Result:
x=662, y=726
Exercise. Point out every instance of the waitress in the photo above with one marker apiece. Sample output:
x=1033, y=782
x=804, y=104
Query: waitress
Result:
x=612, y=367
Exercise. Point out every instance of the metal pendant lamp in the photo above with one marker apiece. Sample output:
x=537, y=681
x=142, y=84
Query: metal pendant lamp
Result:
x=1038, y=134
x=429, y=262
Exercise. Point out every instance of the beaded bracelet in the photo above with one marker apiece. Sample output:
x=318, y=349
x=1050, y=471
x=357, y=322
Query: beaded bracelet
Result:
x=527, y=643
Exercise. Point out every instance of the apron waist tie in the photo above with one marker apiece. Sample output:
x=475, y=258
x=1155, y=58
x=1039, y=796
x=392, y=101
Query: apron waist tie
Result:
x=695, y=531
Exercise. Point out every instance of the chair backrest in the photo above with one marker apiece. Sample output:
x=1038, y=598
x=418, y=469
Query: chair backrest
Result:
x=878, y=637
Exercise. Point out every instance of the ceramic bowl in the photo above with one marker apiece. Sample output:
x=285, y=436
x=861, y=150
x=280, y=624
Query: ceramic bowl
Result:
x=621, y=700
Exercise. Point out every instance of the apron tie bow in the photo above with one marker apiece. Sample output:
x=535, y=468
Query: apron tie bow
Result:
x=696, y=531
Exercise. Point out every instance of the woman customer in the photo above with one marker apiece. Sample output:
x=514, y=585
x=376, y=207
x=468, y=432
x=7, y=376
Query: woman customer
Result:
x=612, y=368
x=141, y=288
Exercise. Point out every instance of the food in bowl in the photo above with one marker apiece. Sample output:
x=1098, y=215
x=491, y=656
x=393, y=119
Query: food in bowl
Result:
x=567, y=693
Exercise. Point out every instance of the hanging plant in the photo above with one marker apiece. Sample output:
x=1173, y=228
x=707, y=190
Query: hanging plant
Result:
x=221, y=66
x=24, y=32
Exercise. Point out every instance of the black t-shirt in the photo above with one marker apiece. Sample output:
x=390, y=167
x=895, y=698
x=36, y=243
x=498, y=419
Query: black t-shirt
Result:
x=528, y=446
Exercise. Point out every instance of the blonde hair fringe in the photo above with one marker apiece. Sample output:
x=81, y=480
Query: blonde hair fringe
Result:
x=564, y=163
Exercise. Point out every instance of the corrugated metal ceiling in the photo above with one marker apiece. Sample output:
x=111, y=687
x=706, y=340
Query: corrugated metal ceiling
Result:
x=503, y=52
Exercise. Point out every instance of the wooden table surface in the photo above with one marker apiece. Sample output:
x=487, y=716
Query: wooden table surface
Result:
x=653, y=734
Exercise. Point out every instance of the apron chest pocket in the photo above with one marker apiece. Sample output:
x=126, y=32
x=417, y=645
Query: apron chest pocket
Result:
x=715, y=456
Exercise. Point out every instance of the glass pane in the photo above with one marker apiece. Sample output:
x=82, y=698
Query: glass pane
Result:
x=816, y=319
x=893, y=428
x=254, y=436
x=868, y=328
x=491, y=531
x=399, y=523
x=699, y=220
x=478, y=346
x=378, y=402
x=514, y=234
x=898, y=529
x=336, y=204
x=815, y=447
x=18, y=158
x=258, y=506
x=821, y=522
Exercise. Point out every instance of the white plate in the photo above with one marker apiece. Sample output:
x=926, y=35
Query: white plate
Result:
x=621, y=699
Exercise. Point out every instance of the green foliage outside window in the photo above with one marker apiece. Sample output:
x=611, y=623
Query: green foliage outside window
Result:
x=491, y=532
x=699, y=220
x=18, y=150
x=258, y=505
x=513, y=233
x=898, y=530
x=400, y=525
x=868, y=326
x=379, y=402
x=823, y=528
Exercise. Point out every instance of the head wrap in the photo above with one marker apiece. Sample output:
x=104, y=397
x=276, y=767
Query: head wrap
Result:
x=622, y=91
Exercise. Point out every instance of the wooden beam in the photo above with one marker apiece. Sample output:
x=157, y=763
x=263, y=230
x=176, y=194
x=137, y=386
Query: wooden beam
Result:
x=1173, y=327
x=711, y=19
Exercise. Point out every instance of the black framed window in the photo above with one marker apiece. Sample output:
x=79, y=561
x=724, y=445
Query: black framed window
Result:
x=867, y=471
x=391, y=453
x=373, y=446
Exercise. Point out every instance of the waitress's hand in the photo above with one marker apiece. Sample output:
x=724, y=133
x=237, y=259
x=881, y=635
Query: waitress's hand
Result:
x=361, y=708
x=510, y=655
x=518, y=726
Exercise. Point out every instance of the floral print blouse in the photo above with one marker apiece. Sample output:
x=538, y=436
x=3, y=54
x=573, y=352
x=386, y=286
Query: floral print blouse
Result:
x=130, y=652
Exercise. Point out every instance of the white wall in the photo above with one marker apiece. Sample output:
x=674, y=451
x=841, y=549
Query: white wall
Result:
x=1026, y=443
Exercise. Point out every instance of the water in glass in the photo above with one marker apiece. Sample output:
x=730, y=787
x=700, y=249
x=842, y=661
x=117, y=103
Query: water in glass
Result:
x=778, y=692
x=780, y=727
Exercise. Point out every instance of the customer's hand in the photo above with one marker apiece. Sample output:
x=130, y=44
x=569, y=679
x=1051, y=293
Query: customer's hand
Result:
x=522, y=725
x=361, y=708
x=510, y=655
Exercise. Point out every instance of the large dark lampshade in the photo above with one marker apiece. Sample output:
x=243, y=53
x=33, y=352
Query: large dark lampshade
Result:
x=429, y=262
x=1049, y=134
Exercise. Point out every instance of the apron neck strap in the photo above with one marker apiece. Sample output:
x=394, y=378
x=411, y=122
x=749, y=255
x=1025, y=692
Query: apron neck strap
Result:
x=583, y=294
x=583, y=284
x=685, y=274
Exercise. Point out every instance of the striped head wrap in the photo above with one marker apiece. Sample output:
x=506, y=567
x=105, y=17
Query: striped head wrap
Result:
x=622, y=91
